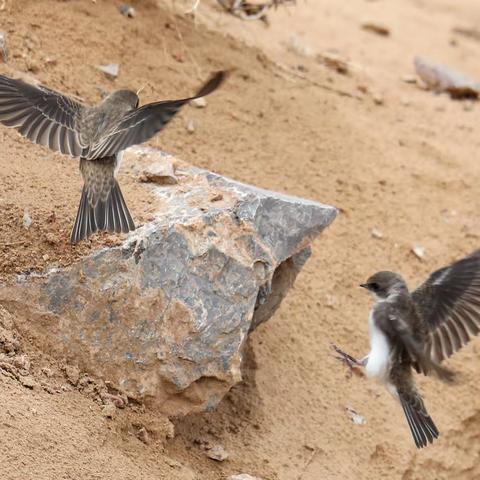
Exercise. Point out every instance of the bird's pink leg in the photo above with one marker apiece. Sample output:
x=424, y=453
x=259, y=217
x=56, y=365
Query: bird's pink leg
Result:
x=348, y=360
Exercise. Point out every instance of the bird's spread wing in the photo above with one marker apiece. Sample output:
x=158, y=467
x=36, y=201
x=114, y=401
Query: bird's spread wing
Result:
x=143, y=123
x=42, y=115
x=449, y=304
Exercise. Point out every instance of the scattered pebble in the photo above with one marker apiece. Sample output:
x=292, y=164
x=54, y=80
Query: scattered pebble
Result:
x=296, y=45
x=418, y=251
x=73, y=374
x=173, y=463
x=242, y=476
x=331, y=301
x=120, y=401
x=3, y=46
x=190, y=126
x=378, y=99
x=218, y=453
x=109, y=410
x=472, y=33
x=216, y=197
x=143, y=435
x=22, y=362
x=127, y=10
x=111, y=70
x=47, y=372
x=376, y=233
x=409, y=79
x=334, y=62
x=27, y=221
x=377, y=28
x=357, y=419
x=440, y=78
x=50, y=61
x=27, y=382
x=160, y=173
x=200, y=102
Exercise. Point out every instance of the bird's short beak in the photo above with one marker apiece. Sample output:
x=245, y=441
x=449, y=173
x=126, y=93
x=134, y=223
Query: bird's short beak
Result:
x=364, y=285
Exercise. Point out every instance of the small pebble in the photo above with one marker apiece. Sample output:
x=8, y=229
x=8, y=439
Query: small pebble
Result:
x=242, y=476
x=418, y=251
x=3, y=46
x=27, y=221
x=73, y=374
x=111, y=70
x=409, y=79
x=190, y=126
x=357, y=419
x=109, y=410
x=218, y=453
x=373, y=27
x=127, y=10
x=378, y=99
x=27, y=382
x=198, y=102
x=143, y=435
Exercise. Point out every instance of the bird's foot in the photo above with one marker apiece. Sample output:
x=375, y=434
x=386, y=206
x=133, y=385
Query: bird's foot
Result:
x=352, y=363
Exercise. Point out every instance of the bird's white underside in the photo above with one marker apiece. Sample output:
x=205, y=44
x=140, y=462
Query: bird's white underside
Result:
x=378, y=362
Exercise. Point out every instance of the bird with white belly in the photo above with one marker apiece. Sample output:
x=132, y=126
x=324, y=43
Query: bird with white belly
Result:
x=417, y=331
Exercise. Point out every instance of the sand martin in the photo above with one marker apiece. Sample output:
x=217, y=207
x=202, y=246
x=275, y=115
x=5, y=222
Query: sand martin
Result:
x=417, y=330
x=97, y=135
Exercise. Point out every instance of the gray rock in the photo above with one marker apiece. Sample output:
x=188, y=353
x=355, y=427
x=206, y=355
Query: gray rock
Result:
x=164, y=317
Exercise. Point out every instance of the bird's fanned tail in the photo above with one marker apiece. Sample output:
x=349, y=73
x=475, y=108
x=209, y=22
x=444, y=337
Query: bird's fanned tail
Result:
x=421, y=424
x=111, y=215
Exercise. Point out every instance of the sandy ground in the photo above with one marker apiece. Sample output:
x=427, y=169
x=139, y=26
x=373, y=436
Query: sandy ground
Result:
x=407, y=167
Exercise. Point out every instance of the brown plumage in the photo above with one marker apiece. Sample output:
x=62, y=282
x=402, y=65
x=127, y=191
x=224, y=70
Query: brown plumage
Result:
x=418, y=330
x=96, y=134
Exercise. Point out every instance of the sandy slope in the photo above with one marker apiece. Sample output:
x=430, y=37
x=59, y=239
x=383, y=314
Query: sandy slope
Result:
x=407, y=167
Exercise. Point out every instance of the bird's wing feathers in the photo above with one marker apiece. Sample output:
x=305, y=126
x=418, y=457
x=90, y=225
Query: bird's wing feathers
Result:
x=40, y=114
x=143, y=123
x=391, y=320
x=449, y=304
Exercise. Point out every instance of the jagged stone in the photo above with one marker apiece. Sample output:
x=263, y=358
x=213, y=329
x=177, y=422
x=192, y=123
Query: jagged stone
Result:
x=164, y=317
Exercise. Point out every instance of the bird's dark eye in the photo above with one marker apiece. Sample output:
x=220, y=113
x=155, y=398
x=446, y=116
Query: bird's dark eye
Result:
x=374, y=286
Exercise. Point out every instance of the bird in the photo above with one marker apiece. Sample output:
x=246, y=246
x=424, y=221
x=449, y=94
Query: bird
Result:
x=97, y=135
x=416, y=331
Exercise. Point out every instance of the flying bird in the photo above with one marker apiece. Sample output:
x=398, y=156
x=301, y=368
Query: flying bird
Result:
x=97, y=135
x=418, y=330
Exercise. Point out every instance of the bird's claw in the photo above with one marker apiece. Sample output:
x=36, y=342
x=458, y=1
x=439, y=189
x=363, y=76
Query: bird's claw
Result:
x=351, y=362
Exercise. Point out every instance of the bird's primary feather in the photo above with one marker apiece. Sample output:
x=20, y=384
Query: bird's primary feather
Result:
x=41, y=115
x=449, y=304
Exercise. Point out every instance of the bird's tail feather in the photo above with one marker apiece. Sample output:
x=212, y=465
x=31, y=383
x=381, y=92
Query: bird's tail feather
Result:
x=111, y=215
x=421, y=424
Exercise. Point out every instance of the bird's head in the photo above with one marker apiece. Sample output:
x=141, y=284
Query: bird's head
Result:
x=383, y=284
x=126, y=98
